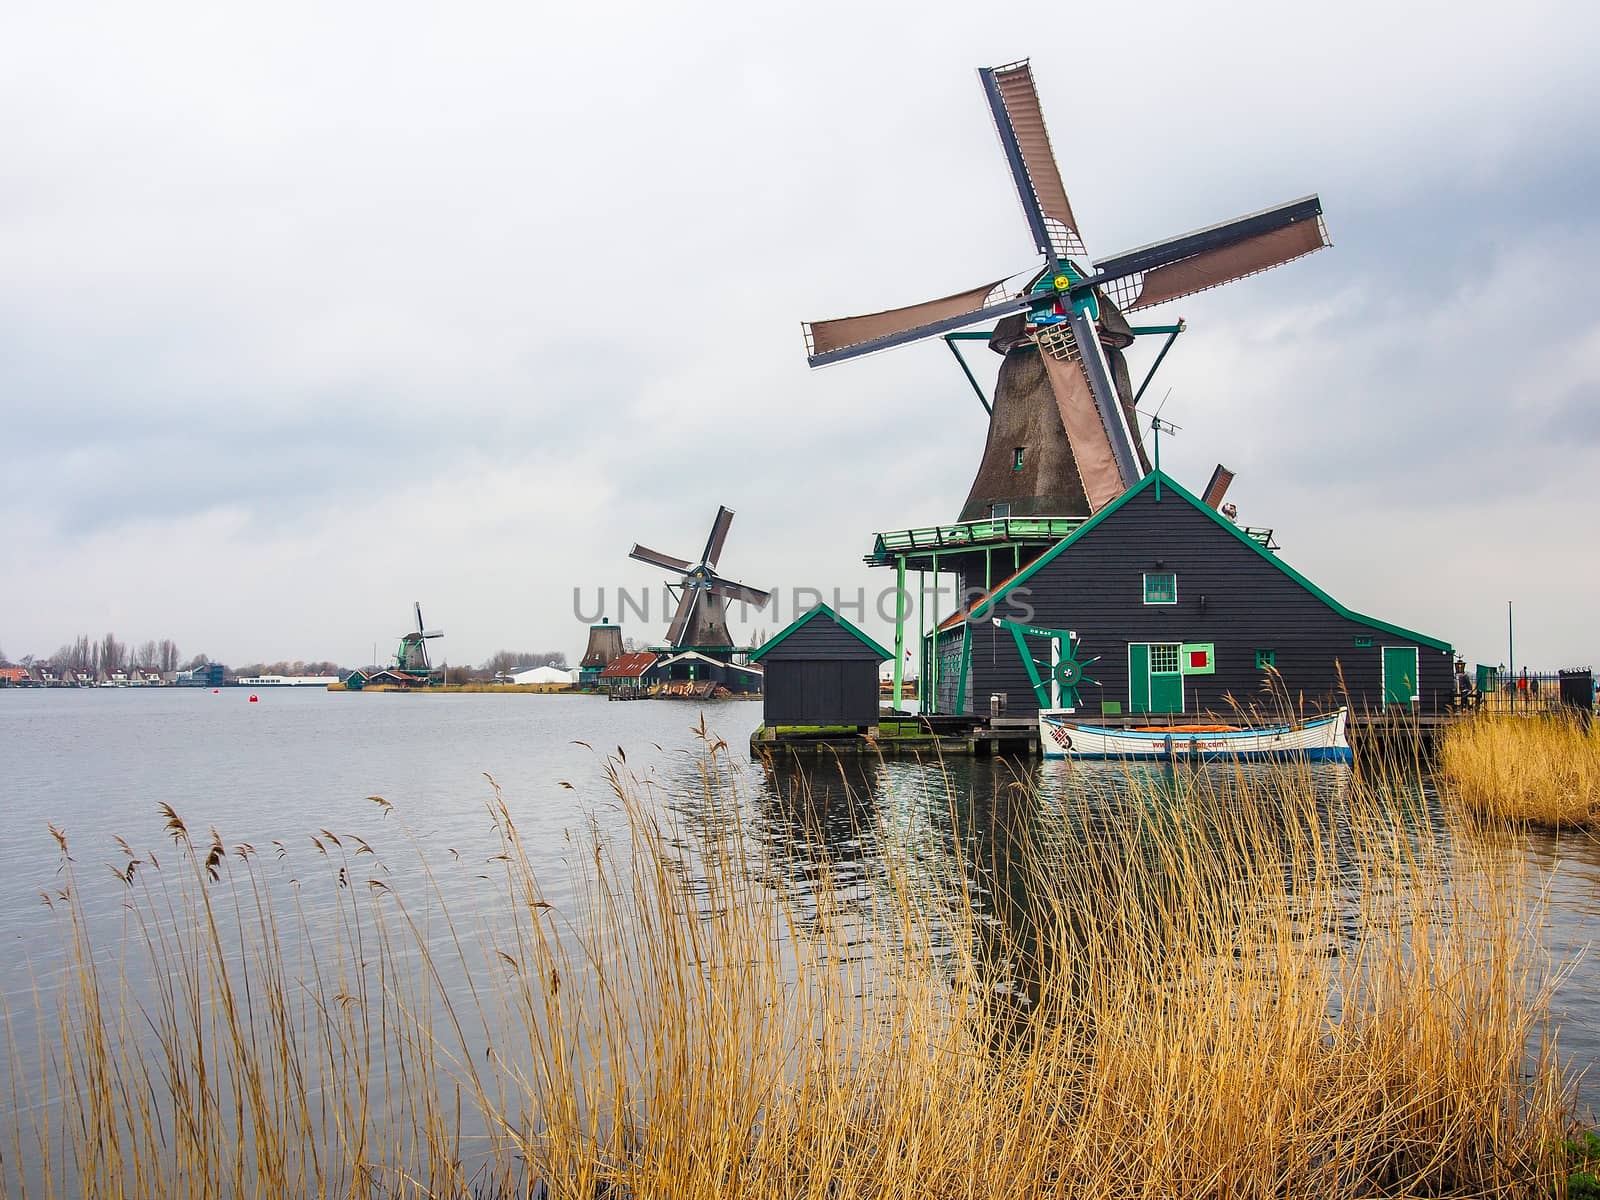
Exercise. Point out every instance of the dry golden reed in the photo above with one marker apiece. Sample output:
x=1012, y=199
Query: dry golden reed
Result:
x=1230, y=984
x=1538, y=770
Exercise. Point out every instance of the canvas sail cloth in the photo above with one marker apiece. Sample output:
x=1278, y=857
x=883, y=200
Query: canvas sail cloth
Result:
x=1080, y=416
x=1213, y=268
x=853, y=331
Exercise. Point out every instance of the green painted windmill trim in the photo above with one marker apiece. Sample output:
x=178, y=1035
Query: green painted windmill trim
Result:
x=966, y=668
x=1040, y=692
x=1177, y=489
x=811, y=614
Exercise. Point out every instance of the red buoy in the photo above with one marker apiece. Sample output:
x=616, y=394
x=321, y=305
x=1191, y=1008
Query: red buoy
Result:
x=252, y=699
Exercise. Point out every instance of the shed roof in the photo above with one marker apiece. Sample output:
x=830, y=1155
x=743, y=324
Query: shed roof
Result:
x=820, y=610
x=1177, y=489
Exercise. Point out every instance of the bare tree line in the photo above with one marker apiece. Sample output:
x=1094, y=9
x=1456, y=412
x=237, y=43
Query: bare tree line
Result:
x=108, y=654
x=514, y=660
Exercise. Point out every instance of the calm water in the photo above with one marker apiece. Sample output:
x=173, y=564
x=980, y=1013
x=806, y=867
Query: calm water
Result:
x=97, y=763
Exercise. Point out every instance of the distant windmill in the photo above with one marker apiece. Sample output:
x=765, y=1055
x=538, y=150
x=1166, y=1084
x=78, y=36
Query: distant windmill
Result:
x=701, y=618
x=413, y=652
x=1063, y=435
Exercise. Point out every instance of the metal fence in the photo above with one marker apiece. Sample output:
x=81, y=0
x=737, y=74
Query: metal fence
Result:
x=1528, y=691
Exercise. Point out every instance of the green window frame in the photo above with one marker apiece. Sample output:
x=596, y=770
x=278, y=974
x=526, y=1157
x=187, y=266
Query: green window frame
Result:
x=1016, y=458
x=1160, y=587
x=1362, y=640
x=1265, y=659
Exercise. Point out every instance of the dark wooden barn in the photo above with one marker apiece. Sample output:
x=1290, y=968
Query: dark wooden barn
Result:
x=820, y=670
x=714, y=668
x=1174, y=609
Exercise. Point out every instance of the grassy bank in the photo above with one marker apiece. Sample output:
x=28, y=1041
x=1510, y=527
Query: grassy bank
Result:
x=1542, y=770
x=1237, y=988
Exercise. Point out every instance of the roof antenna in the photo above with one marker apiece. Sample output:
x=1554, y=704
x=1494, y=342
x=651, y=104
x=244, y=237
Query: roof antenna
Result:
x=1157, y=428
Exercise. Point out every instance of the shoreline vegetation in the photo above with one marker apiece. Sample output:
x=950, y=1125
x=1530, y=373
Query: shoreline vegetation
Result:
x=1228, y=984
x=445, y=689
x=1541, y=771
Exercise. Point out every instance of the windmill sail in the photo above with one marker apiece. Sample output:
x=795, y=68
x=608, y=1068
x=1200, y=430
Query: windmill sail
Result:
x=1211, y=257
x=1014, y=103
x=741, y=592
x=656, y=559
x=680, y=618
x=1087, y=433
x=850, y=337
x=719, y=535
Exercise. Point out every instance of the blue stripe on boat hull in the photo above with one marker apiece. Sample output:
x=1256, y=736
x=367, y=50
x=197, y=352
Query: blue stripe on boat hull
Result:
x=1179, y=751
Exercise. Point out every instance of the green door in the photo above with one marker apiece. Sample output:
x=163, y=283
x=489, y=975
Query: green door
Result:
x=1399, y=675
x=1166, y=681
x=1154, y=681
x=1138, y=678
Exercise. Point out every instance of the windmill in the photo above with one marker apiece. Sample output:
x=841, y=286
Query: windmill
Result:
x=412, y=655
x=701, y=618
x=1063, y=435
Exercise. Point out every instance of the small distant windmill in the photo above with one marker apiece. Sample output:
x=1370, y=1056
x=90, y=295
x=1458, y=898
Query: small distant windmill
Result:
x=701, y=618
x=1063, y=436
x=412, y=655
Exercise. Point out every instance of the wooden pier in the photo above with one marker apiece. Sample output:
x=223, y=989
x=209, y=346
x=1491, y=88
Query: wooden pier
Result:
x=906, y=735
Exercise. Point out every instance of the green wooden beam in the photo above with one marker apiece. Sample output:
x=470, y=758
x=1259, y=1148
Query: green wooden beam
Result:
x=1172, y=332
x=950, y=340
x=966, y=666
x=901, y=606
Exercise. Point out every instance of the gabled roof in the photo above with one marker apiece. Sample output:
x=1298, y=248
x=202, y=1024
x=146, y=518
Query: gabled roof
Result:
x=668, y=659
x=1179, y=491
x=629, y=666
x=811, y=615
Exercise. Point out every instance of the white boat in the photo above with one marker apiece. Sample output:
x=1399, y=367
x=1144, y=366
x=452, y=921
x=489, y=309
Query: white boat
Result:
x=1062, y=735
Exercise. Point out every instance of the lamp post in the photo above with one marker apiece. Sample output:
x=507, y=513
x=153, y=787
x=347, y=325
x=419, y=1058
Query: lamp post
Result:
x=1511, y=639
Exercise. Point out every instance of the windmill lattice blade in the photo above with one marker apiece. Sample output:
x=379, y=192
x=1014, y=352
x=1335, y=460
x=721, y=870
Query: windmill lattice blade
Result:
x=432, y=633
x=656, y=559
x=1019, y=119
x=1211, y=257
x=419, y=615
x=851, y=337
x=719, y=535
x=680, y=618
x=741, y=592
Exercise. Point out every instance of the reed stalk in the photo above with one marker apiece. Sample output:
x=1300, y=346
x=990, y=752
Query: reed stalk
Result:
x=1536, y=770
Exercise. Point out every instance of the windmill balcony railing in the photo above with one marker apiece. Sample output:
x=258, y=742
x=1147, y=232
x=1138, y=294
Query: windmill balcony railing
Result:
x=995, y=531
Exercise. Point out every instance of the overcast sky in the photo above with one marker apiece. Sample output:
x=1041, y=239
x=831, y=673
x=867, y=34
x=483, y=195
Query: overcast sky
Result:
x=308, y=311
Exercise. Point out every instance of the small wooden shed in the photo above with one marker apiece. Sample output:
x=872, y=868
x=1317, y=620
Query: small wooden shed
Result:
x=820, y=670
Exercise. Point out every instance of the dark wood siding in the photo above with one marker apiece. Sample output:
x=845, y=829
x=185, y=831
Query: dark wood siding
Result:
x=821, y=674
x=821, y=692
x=1227, y=595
